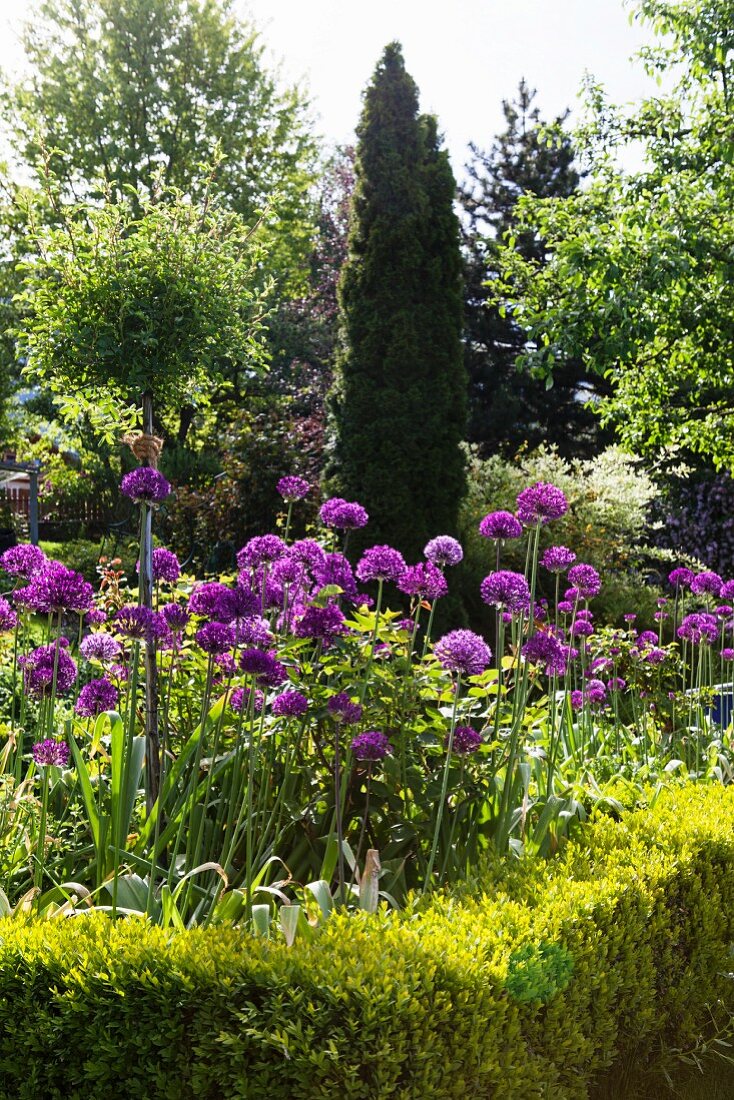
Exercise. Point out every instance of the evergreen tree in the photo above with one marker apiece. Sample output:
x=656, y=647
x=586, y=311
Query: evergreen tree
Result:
x=507, y=407
x=400, y=395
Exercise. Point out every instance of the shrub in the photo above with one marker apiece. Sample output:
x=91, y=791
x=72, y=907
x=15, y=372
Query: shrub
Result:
x=528, y=989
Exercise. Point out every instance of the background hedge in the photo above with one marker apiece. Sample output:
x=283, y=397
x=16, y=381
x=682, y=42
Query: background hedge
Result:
x=528, y=990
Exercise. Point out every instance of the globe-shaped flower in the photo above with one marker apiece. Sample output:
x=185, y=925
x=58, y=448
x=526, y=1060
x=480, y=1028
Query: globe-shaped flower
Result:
x=260, y=550
x=335, y=570
x=140, y=623
x=166, y=566
x=95, y=697
x=321, y=622
x=265, y=667
x=466, y=740
x=309, y=552
x=681, y=577
x=253, y=631
x=213, y=600
x=8, y=617
x=443, y=551
x=54, y=588
x=290, y=704
x=500, y=525
x=22, y=560
x=707, y=584
x=727, y=590
x=507, y=590
x=100, y=647
x=176, y=617
x=700, y=628
x=293, y=488
x=381, y=563
x=343, y=514
x=342, y=709
x=215, y=638
x=582, y=629
x=240, y=699
x=541, y=503
x=145, y=484
x=586, y=579
x=371, y=746
x=544, y=649
x=39, y=665
x=464, y=652
x=557, y=559
x=596, y=691
x=51, y=753
x=424, y=580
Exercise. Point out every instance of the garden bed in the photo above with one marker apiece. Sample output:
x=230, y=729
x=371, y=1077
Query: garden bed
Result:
x=533, y=988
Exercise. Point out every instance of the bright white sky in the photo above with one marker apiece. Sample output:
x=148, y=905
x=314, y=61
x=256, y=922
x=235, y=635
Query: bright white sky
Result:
x=466, y=56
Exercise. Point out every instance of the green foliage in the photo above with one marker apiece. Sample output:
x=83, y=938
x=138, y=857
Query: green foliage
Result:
x=640, y=271
x=629, y=932
x=399, y=401
x=117, y=303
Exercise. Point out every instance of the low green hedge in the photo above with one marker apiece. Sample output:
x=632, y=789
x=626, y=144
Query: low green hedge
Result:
x=530, y=991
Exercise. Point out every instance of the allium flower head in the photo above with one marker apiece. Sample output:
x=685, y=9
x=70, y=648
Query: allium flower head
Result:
x=343, y=709
x=166, y=566
x=140, y=623
x=425, y=580
x=321, y=622
x=8, y=617
x=176, y=617
x=51, y=753
x=654, y=656
x=586, y=579
x=540, y=503
x=100, y=647
x=95, y=617
x=260, y=550
x=213, y=600
x=335, y=570
x=596, y=691
x=727, y=654
x=293, y=488
x=381, y=563
x=700, y=628
x=507, y=590
x=55, y=588
x=543, y=648
x=371, y=746
x=582, y=629
x=466, y=740
x=309, y=552
x=343, y=514
x=464, y=652
x=215, y=638
x=290, y=704
x=443, y=550
x=22, y=560
x=500, y=525
x=95, y=697
x=240, y=698
x=145, y=484
x=265, y=667
x=38, y=669
x=727, y=590
x=681, y=577
x=557, y=559
x=616, y=683
x=253, y=631
x=706, y=584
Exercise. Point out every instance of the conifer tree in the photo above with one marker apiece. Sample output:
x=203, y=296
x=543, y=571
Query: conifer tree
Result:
x=400, y=395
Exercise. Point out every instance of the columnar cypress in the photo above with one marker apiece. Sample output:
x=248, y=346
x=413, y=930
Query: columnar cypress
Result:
x=400, y=397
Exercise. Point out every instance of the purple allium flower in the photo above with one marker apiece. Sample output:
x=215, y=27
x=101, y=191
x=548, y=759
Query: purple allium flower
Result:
x=425, y=580
x=464, y=652
x=321, y=622
x=616, y=683
x=95, y=617
x=293, y=488
x=371, y=745
x=145, y=484
x=22, y=560
x=308, y=552
x=600, y=664
x=100, y=647
x=8, y=617
x=213, y=600
x=654, y=656
x=707, y=583
x=630, y=617
x=585, y=614
x=96, y=697
x=343, y=709
x=727, y=654
x=586, y=579
x=381, y=563
x=557, y=559
x=540, y=503
x=176, y=617
x=215, y=637
x=51, y=753
x=260, y=550
x=577, y=700
x=700, y=628
x=565, y=607
x=290, y=704
x=596, y=691
x=466, y=740
x=253, y=631
x=443, y=550
x=55, y=588
x=661, y=616
x=140, y=622
x=727, y=590
x=263, y=666
x=582, y=629
x=226, y=662
x=38, y=669
x=404, y=624
x=647, y=638
x=240, y=699
x=543, y=648
x=681, y=577
x=724, y=610
x=500, y=525
x=335, y=570
x=288, y=570
x=166, y=566
x=507, y=590
x=344, y=514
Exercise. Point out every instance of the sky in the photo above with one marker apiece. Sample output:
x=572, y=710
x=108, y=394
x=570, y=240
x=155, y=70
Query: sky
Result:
x=466, y=56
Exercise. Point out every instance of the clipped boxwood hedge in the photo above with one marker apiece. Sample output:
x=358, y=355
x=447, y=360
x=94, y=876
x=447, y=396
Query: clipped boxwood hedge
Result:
x=529, y=991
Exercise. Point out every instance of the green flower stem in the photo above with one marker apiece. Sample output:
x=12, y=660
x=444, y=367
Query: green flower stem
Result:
x=444, y=788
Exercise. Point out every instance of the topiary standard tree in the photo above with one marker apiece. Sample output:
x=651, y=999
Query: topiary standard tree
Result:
x=399, y=399
x=133, y=305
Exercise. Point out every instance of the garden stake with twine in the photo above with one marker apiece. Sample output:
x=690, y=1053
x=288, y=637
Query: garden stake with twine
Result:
x=147, y=448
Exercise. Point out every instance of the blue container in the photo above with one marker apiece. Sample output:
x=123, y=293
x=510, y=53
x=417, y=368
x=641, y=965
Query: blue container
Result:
x=722, y=711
